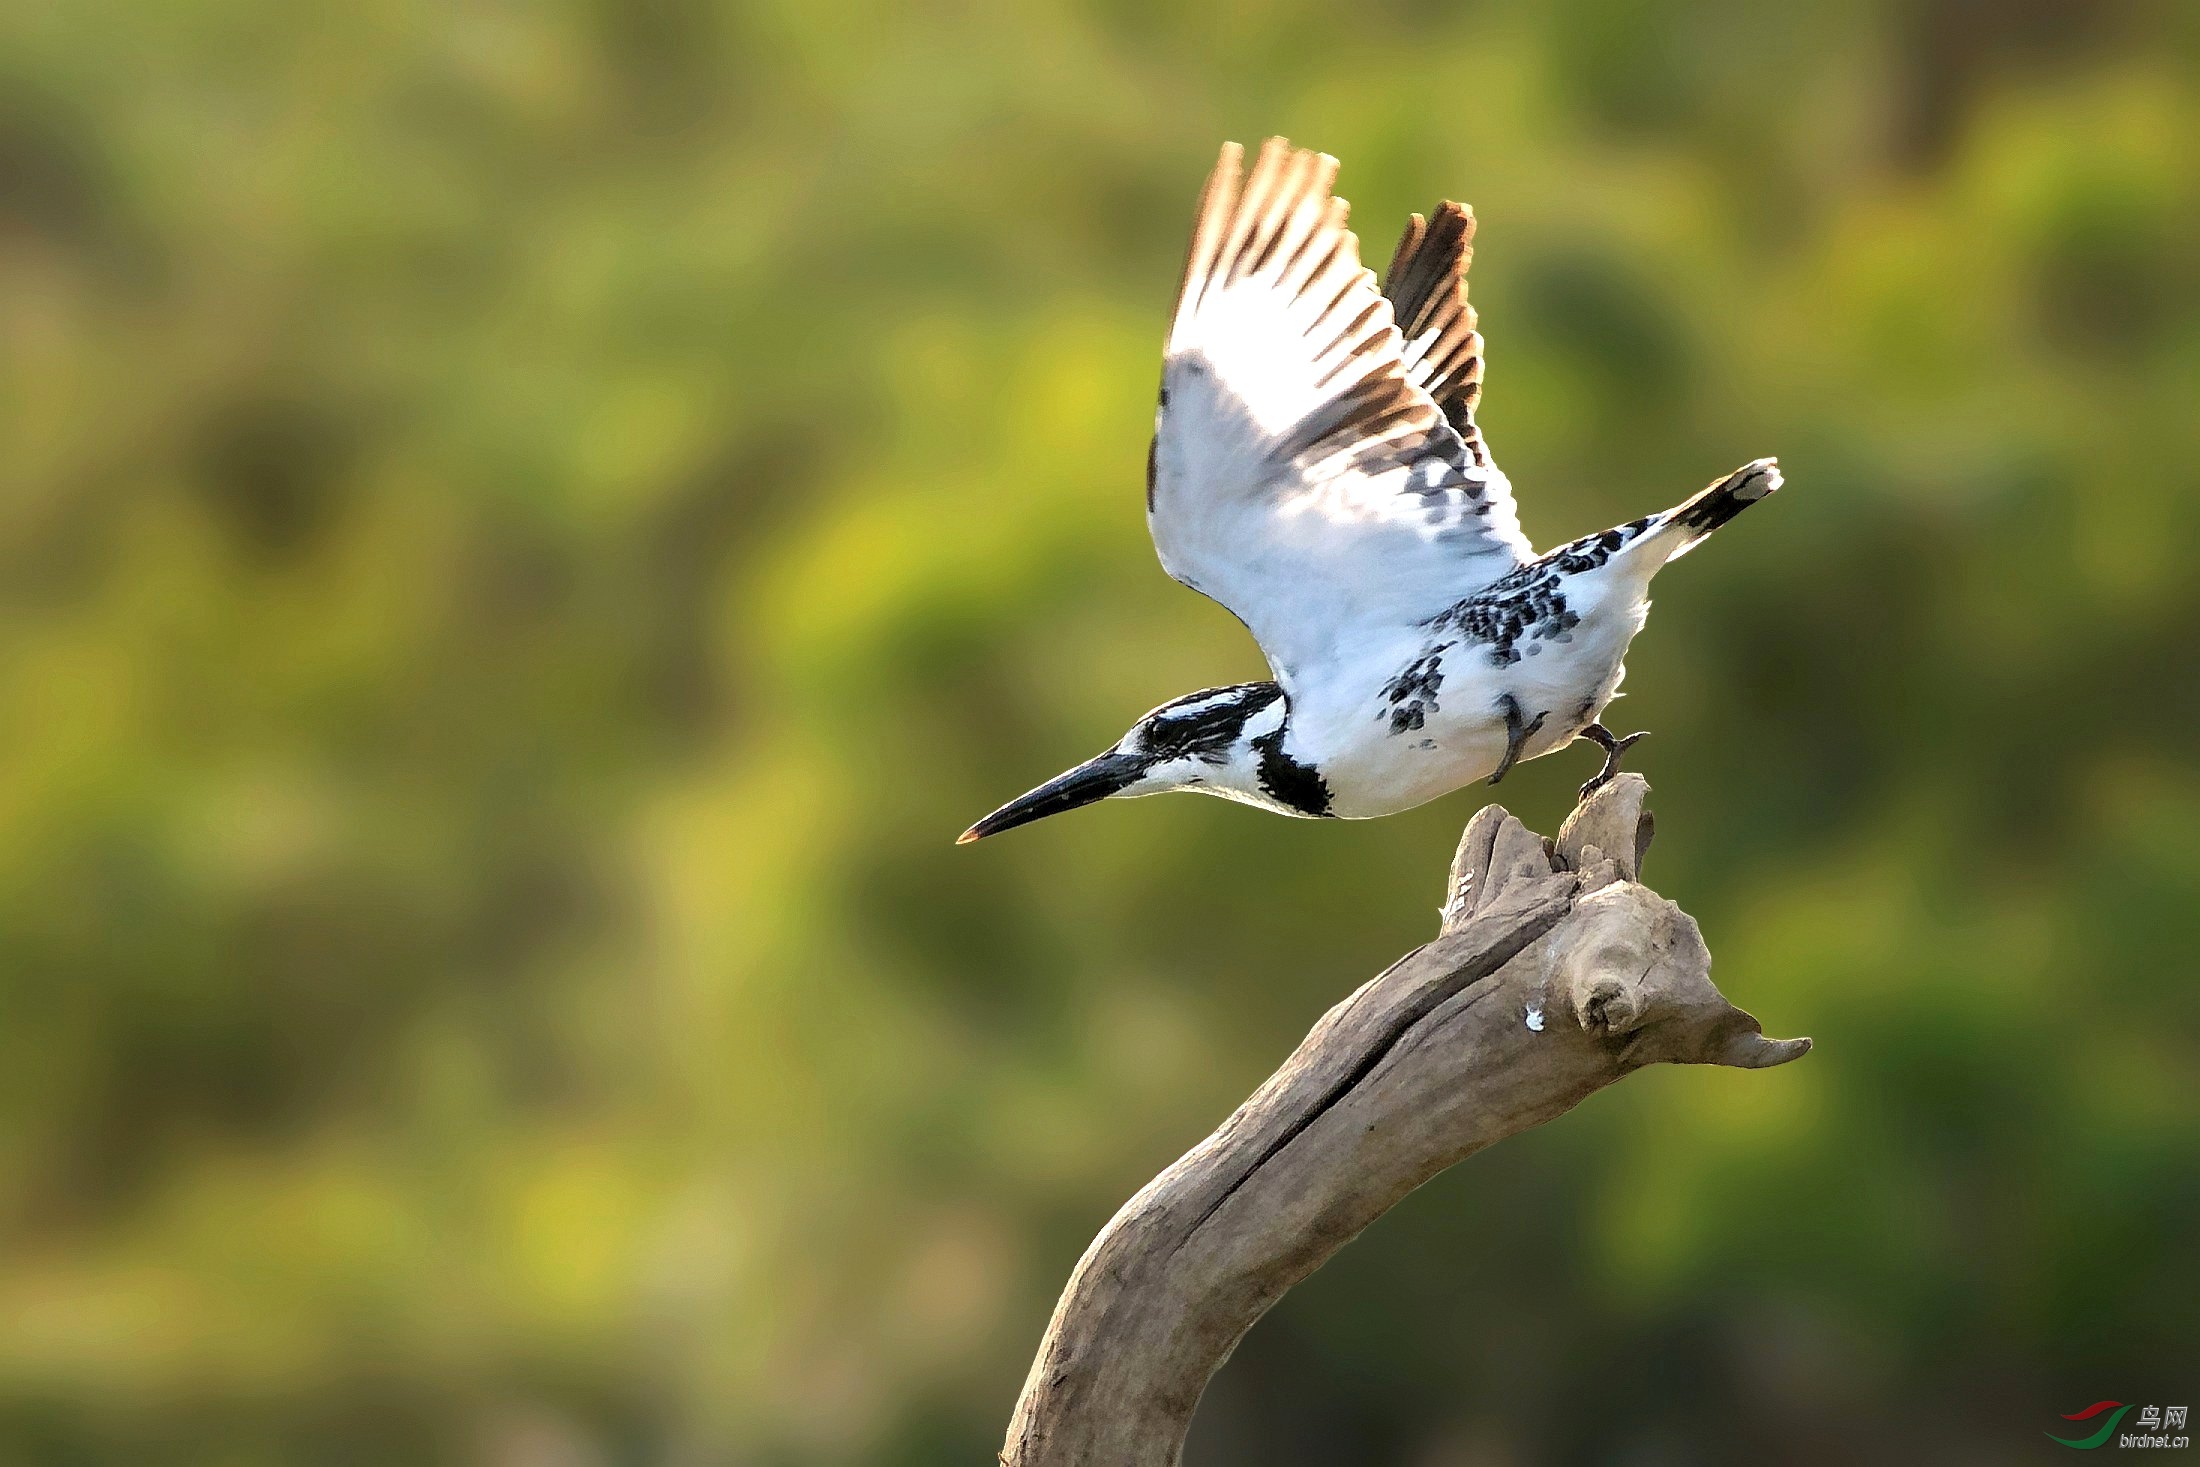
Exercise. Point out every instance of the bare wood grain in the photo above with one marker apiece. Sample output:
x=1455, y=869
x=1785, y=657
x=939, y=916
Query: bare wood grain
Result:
x=1555, y=973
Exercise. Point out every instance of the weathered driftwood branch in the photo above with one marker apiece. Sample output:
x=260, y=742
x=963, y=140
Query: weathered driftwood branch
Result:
x=1556, y=972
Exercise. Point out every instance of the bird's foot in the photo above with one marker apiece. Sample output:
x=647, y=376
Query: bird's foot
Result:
x=1517, y=732
x=1598, y=734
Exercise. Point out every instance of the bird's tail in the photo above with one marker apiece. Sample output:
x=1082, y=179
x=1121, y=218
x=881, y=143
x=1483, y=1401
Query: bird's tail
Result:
x=1685, y=525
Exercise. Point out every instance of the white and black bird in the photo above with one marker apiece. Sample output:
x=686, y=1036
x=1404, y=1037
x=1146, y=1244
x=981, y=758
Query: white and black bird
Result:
x=1316, y=468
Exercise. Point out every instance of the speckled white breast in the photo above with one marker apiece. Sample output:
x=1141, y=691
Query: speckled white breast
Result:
x=1381, y=753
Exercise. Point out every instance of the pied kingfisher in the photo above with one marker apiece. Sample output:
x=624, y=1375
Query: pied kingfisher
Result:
x=1316, y=468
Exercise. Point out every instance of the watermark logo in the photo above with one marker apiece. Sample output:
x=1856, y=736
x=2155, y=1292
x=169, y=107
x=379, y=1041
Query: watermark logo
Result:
x=2155, y=1423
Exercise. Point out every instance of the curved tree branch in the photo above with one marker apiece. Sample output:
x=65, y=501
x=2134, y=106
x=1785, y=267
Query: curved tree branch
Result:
x=1555, y=973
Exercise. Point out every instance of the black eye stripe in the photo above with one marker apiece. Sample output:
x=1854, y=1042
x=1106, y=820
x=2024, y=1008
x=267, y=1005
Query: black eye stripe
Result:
x=1209, y=724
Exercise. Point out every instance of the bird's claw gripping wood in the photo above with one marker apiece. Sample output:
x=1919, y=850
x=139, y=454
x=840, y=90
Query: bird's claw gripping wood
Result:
x=1614, y=751
x=1517, y=733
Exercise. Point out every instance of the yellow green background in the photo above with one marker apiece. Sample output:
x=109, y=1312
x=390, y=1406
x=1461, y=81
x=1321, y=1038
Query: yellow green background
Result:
x=525, y=531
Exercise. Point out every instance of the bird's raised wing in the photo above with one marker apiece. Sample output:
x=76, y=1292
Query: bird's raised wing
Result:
x=1427, y=286
x=1313, y=469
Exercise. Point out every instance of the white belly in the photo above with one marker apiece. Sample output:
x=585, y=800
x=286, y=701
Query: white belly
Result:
x=1381, y=753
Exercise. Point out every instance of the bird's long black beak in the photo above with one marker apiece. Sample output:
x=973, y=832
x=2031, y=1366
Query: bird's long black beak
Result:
x=1095, y=779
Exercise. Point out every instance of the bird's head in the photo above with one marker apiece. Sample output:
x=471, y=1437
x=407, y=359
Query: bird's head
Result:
x=1202, y=742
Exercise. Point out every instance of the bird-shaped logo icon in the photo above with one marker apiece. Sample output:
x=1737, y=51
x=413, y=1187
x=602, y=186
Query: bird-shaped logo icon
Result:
x=1316, y=468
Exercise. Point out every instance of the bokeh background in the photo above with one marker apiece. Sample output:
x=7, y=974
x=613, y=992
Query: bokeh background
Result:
x=525, y=530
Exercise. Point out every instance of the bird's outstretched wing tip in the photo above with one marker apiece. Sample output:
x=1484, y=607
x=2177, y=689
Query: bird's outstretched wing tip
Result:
x=1275, y=146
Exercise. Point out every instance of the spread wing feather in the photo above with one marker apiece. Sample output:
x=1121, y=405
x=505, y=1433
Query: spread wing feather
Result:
x=1314, y=469
x=1427, y=286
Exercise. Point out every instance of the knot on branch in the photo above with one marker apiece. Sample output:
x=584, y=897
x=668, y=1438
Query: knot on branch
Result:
x=1628, y=967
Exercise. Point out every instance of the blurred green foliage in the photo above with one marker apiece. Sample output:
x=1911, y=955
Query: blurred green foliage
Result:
x=526, y=530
